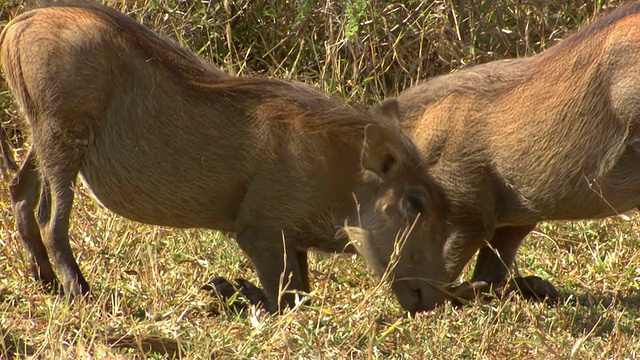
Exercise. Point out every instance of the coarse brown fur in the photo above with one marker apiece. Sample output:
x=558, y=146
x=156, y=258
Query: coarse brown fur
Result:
x=514, y=142
x=162, y=137
x=7, y=155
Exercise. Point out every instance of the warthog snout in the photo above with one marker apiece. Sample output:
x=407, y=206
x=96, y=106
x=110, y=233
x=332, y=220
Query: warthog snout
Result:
x=418, y=295
x=415, y=281
x=406, y=257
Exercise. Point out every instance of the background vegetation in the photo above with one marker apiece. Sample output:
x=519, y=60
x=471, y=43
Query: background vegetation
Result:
x=146, y=279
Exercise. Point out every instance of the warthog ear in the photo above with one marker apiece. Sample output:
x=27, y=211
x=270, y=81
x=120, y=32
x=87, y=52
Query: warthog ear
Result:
x=377, y=156
x=388, y=109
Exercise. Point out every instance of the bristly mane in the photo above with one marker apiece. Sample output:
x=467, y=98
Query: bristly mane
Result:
x=290, y=103
x=497, y=77
x=500, y=76
x=201, y=76
x=180, y=61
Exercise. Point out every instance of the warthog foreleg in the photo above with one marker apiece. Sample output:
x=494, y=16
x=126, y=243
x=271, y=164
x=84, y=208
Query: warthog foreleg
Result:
x=225, y=290
x=269, y=257
x=496, y=259
x=533, y=288
x=492, y=269
x=26, y=188
x=529, y=287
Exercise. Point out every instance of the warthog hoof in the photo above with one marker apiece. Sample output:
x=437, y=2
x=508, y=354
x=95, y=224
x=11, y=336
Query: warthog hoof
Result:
x=225, y=291
x=529, y=287
x=469, y=291
x=533, y=288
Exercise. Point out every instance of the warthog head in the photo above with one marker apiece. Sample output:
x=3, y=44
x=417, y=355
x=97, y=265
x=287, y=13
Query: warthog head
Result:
x=399, y=225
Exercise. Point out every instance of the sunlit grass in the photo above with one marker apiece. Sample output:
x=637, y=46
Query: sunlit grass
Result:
x=146, y=284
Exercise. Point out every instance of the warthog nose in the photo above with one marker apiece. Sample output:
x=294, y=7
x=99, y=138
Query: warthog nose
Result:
x=427, y=295
x=417, y=295
x=407, y=295
x=431, y=296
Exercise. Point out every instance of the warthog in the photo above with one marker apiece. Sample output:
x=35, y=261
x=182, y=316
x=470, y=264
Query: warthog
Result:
x=162, y=137
x=514, y=142
x=5, y=149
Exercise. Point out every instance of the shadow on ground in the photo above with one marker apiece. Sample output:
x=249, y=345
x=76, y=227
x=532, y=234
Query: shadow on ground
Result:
x=602, y=313
x=12, y=347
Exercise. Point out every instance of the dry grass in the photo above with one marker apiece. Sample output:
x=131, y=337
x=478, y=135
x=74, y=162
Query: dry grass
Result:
x=146, y=279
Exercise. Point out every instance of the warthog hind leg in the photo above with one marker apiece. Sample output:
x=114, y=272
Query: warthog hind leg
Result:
x=26, y=189
x=57, y=238
x=59, y=165
x=5, y=148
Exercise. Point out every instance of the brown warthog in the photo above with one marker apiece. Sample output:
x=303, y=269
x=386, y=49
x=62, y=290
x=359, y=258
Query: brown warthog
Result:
x=162, y=137
x=514, y=142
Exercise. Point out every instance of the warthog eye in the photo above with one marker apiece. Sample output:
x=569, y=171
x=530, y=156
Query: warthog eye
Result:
x=412, y=204
x=387, y=164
